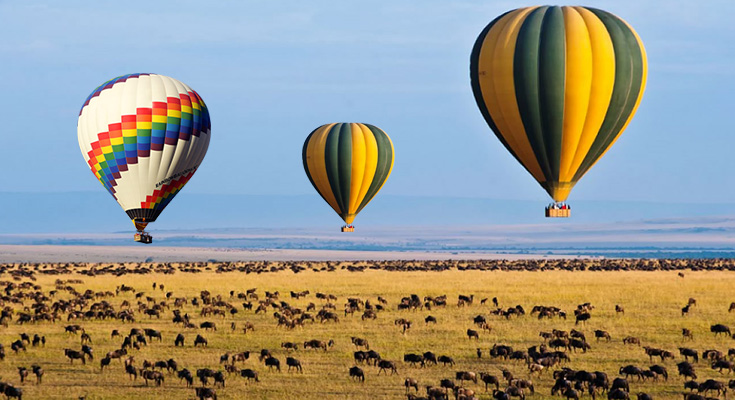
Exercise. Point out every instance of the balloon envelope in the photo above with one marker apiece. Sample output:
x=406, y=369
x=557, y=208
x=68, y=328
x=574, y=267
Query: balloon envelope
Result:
x=143, y=136
x=558, y=85
x=348, y=163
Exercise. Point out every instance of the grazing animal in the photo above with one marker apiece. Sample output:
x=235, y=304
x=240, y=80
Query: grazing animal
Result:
x=272, y=362
x=179, y=340
x=631, y=340
x=200, y=340
x=294, y=363
x=23, y=373
x=686, y=352
x=720, y=328
x=600, y=334
x=446, y=360
x=38, y=371
x=74, y=355
x=205, y=393
x=250, y=374
x=385, y=365
x=488, y=379
x=687, y=334
x=472, y=334
x=356, y=373
x=411, y=383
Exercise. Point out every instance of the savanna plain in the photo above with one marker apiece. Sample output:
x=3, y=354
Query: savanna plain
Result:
x=652, y=303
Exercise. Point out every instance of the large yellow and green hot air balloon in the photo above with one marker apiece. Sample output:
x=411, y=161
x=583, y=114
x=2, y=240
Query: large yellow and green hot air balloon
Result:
x=558, y=85
x=348, y=163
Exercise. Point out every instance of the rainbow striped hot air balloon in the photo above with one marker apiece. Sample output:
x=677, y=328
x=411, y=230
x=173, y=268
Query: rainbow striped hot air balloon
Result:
x=143, y=136
x=558, y=85
x=348, y=163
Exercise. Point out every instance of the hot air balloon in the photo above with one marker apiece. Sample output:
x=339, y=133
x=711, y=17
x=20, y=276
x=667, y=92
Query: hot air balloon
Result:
x=348, y=163
x=558, y=85
x=143, y=136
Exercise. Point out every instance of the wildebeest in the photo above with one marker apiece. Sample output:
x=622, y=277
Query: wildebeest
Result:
x=473, y=334
x=600, y=334
x=250, y=374
x=360, y=342
x=23, y=373
x=582, y=317
x=38, y=371
x=660, y=370
x=155, y=376
x=12, y=391
x=414, y=359
x=205, y=393
x=466, y=376
x=411, y=383
x=179, y=340
x=711, y=384
x=315, y=344
x=686, y=370
x=629, y=370
x=723, y=364
x=446, y=360
x=74, y=355
x=720, y=328
x=430, y=319
x=631, y=340
x=488, y=379
x=686, y=352
x=200, y=340
x=357, y=373
x=272, y=362
x=385, y=365
x=294, y=363
x=185, y=375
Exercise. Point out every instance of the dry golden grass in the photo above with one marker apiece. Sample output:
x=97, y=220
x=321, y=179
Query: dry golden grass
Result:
x=652, y=302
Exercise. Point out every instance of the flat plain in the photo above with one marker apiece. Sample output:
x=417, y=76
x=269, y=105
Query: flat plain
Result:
x=652, y=302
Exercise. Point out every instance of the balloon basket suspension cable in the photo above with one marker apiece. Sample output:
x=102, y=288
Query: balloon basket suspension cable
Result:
x=558, y=210
x=348, y=228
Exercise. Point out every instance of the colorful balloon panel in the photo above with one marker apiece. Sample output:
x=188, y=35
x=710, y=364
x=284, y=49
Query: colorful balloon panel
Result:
x=558, y=85
x=348, y=163
x=143, y=136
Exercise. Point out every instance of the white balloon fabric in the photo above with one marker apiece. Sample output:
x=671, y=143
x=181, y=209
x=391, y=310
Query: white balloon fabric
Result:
x=143, y=136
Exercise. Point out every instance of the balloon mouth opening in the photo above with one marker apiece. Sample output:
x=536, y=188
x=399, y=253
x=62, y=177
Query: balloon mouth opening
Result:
x=140, y=225
x=559, y=191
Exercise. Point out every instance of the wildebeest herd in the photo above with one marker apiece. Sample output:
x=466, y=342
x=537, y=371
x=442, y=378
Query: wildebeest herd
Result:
x=150, y=333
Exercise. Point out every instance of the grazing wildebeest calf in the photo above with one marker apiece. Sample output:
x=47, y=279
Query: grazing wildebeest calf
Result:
x=472, y=334
x=38, y=371
x=294, y=363
x=272, y=362
x=600, y=334
x=74, y=355
x=200, y=340
x=385, y=365
x=411, y=383
x=357, y=373
x=205, y=393
x=720, y=328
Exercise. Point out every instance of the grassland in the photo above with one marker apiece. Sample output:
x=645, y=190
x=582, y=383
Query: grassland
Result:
x=652, y=302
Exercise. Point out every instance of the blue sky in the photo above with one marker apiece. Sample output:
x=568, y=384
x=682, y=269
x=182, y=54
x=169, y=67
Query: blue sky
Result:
x=271, y=71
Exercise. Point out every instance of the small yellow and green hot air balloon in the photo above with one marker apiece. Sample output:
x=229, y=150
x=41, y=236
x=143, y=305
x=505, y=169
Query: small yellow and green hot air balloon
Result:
x=558, y=85
x=348, y=163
